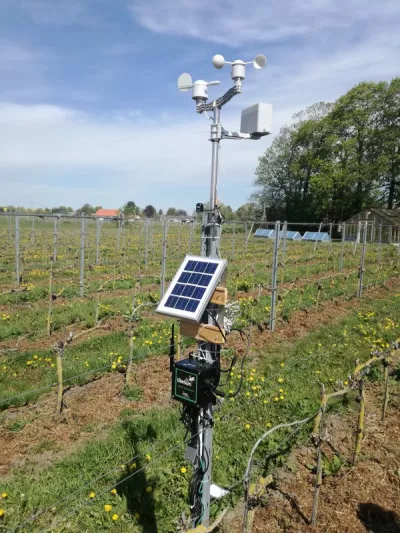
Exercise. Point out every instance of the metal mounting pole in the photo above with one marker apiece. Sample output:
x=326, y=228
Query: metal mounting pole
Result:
x=211, y=234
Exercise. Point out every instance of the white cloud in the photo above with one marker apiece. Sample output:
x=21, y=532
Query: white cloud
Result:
x=46, y=149
x=240, y=23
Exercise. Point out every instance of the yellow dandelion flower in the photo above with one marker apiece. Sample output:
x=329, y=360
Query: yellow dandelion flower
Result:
x=282, y=365
x=149, y=489
x=2, y=513
x=247, y=426
x=281, y=397
x=107, y=507
x=280, y=380
x=148, y=457
x=113, y=491
x=276, y=398
x=346, y=382
x=4, y=495
x=132, y=466
x=281, y=390
x=269, y=425
x=114, y=517
x=183, y=470
x=92, y=495
x=265, y=401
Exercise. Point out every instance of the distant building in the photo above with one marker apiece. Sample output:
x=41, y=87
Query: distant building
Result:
x=107, y=213
x=383, y=225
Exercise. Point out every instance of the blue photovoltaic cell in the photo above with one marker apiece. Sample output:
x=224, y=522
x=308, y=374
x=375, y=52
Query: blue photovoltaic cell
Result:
x=191, y=285
x=200, y=266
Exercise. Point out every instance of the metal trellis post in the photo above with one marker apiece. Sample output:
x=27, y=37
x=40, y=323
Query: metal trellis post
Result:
x=55, y=240
x=284, y=244
x=98, y=227
x=316, y=240
x=342, y=246
x=362, y=262
x=17, y=273
x=164, y=256
x=274, y=287
x=82, y=264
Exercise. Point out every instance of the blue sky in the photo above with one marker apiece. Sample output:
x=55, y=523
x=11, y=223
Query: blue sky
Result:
x=90, y=111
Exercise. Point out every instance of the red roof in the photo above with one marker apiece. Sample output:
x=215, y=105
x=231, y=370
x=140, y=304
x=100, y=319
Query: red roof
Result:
x=107, y=213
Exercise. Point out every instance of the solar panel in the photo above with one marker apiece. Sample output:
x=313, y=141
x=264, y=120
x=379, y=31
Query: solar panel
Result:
x=192, y=287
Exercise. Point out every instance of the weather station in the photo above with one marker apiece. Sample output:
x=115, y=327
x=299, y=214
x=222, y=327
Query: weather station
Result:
x=198, y=298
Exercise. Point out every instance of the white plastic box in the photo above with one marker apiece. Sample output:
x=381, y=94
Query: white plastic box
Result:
x=257, y=119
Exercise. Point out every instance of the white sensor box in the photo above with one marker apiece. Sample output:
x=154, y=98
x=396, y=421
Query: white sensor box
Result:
x=257, y=120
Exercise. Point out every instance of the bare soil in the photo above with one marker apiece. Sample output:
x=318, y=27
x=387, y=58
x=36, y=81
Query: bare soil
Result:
x=357, y=499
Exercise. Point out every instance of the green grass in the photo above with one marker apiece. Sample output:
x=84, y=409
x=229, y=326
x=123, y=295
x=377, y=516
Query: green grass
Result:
x=326, y=355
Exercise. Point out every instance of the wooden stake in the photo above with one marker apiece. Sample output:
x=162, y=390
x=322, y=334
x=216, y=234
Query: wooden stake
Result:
x=386, y=392
x=59, y=349
x=129, y=366
x=360, y=426
x=318, y=475
x=50, y=313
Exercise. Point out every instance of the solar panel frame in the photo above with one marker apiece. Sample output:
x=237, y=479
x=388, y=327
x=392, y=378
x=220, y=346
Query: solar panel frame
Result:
x=206, y=283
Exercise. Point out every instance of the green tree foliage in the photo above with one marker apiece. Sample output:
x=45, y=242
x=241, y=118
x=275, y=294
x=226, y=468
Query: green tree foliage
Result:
x=87, y=209
x=335, y=159
x=171, y=212
x=130, y=209
x=149, y=211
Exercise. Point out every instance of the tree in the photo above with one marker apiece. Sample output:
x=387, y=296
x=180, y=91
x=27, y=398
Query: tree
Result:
x=87, y=209
x=246, y=212
x=181, y=213
x=149, y=211
x=130, y=209
x=171, y=212
x=160, y=212
x=390, y=145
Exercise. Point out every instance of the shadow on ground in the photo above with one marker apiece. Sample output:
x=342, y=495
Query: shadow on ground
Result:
x=376, y=519
x=137, y=489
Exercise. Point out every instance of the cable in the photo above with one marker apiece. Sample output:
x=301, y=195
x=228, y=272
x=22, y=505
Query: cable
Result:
x=221, y=393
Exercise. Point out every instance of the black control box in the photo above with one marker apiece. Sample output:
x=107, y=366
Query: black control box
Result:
x=194, y=381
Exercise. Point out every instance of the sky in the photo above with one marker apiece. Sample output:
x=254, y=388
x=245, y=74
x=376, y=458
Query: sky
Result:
x=89, y=105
